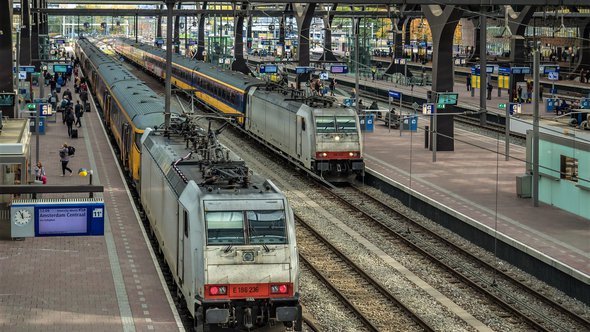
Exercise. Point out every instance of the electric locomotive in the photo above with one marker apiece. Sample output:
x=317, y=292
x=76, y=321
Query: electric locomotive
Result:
x=227, y=235
x=315, y=135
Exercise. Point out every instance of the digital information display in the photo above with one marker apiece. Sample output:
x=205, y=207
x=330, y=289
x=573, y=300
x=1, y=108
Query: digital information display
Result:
x=62, y=221
x=447, y=98
x=60, y=68
x=339, y=69
x=324, y=76
x=268, y=69
x=7, y=99
x=57, y=217
x=303, y=70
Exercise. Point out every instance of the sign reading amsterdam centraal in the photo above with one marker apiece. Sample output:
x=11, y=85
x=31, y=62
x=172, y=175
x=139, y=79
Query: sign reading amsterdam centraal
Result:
x=57, y=217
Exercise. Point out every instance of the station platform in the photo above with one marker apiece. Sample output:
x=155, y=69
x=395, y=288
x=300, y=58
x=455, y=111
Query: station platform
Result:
x=94, y=283
x=476, y=185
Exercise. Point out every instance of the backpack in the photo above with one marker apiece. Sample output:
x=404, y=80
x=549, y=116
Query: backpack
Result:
x=62, y=154
x=71, y=150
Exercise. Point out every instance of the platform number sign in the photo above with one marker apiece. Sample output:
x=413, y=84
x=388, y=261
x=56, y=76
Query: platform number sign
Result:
x=428, y=109
x=97, y=213
x=553, y=75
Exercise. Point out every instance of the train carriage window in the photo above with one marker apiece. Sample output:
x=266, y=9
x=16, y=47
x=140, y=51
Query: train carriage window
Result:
x=225, y=227
x=325, y=124
x=266, y=227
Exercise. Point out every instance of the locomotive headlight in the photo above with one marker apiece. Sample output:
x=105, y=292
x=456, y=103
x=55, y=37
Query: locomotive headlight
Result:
x=279, y=289
x=218, y=290
x=324, y=154
x=351, y=154
x=248, y=256
x=336, y=138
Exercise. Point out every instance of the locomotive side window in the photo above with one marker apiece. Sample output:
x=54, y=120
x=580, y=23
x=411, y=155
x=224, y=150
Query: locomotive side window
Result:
x=225, y=227
x=266, y=227
x=325, y=124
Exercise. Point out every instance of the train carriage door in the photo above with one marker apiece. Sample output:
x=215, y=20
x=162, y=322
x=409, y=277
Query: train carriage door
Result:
x=183, y=225
x=125, y=144
x=107, y=108
x=300, y=129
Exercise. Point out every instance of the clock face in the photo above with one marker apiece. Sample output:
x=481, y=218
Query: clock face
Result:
x=22, y=217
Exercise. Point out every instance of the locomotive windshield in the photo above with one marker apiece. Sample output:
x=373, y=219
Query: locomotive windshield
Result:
x=335, y=124
x=246, y=227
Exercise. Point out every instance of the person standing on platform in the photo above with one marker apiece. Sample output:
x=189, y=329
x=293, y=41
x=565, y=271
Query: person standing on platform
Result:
x=332, y=86
x=490, y=88
x=582, y=75
x=468, y=82
x=70, y=119
x=373, y=72
x=79, y=112
x=39, y=171
x=64, y=157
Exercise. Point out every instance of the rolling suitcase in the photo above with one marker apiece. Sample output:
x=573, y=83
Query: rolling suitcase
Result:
x=87, y=107
x=74, y=133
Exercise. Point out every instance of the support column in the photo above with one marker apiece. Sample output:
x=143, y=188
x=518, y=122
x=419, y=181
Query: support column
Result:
x=159, y=26
x=177, y=31
x=303, y=16
x=475, y=51
x=6, y=83
x=518, y=23
x=328, y=55
x=445, y=20
x=25, y=33
x=239, y=63
x=249, y=34
x=398, y=50
x=584, y=50
x=201, y=35
x=35, y=56
x=282, y=33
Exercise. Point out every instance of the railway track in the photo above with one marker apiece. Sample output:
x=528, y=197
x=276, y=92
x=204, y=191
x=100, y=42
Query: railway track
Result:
x=538, y=310
x=371, y=302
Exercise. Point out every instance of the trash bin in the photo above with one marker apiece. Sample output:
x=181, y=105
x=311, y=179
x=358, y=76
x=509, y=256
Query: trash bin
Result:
x=367, y=122
x=410, y=123
x=41, y=125
x=550, y=105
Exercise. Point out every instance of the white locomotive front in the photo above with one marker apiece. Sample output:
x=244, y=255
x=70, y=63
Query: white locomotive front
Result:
x=228, y=236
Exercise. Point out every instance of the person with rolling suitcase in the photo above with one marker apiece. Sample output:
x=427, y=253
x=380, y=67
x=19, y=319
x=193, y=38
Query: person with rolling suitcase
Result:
x=79, y=113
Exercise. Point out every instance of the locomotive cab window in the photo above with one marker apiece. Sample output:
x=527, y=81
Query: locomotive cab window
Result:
x=325, y=124
x=225, y=227
x=266, y=227
x=346, y=124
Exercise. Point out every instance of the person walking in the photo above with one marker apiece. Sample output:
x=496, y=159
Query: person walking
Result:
x=64, y=157
x=468, y=82
x=67, y=93
x=70, y=119
x=79, y=113
x=490, y=88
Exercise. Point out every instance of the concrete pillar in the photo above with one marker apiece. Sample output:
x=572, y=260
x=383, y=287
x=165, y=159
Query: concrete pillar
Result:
x=239, y=63
x=328, y=55
x=584, y=50
x=177, y=31
x=303, y=15
x=445, y=21
x=6, y=83
x=25, y=33
x=35, y=56
x=518, y=23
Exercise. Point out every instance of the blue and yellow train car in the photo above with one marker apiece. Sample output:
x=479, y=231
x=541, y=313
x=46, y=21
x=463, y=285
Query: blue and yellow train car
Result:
x=129, y=106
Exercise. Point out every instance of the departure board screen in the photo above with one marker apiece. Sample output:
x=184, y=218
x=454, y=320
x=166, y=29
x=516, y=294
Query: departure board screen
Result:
x=62, y=220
